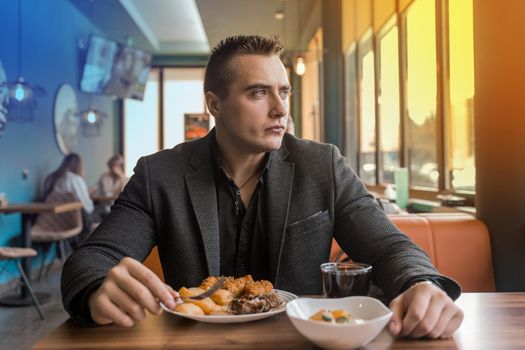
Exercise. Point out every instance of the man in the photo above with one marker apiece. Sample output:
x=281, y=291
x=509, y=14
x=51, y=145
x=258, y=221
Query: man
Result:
x=248, y=198
x=290, y=126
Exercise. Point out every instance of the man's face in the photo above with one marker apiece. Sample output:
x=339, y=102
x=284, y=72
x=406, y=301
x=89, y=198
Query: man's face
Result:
x=253, y=115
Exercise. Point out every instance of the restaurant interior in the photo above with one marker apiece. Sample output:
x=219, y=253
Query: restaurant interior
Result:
x=424, y=98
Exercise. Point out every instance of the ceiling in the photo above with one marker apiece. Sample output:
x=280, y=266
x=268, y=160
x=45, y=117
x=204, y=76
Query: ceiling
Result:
x=193, y=26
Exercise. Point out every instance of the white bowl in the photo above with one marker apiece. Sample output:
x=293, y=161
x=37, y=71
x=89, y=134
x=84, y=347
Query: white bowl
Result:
x=336, y=335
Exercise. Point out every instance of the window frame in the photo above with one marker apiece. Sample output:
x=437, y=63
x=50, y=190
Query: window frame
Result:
x=365, y=44
x=392, y=22
x=443, y=103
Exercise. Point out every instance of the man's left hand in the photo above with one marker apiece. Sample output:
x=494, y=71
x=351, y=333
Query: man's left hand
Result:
x=424, y=310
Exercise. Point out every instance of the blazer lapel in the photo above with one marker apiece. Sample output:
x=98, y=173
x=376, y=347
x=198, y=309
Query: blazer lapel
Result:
x=203, y=195
x=279, y=180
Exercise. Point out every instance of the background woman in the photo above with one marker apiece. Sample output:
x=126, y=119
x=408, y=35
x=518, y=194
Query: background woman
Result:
x=68, y=178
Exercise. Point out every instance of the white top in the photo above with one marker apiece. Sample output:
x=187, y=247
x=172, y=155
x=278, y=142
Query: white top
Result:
x=71, y=182
x=108, y=186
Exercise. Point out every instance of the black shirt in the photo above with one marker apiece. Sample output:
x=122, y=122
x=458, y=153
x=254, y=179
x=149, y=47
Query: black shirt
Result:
x=243, y=236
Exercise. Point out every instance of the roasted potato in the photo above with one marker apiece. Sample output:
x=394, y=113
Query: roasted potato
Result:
x=190, y=292
x=207, y=305
x=188, y=308
x=222, y=297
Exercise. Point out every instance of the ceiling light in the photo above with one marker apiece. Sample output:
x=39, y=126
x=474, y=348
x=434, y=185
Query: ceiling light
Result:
x=278, y=15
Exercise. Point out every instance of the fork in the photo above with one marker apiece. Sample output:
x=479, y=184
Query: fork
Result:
x=216, y=286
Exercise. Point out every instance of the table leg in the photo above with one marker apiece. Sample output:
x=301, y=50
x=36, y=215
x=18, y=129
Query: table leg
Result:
x=26, y=262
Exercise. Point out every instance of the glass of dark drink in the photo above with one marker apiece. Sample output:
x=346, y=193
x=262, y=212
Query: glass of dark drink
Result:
x=344, y=279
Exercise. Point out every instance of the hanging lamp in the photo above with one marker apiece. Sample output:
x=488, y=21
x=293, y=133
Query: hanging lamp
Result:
x=91, y=119
x=299, y=64
x=22, y=94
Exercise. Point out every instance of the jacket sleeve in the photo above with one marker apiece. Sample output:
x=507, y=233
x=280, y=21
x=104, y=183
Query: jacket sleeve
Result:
x=367, y=235
x=128, y=231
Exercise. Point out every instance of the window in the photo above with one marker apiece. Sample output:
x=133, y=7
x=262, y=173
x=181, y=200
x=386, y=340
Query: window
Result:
x=460, y=119
x=141, y=122
x=311, y=121
x=367, y=111
x=350, y=124
x=183, y=93
x=421, y=85
x=388, y=102
x=419, y=117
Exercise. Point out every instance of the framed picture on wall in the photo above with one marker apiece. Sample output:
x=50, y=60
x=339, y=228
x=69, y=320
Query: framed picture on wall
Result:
x=196, y=125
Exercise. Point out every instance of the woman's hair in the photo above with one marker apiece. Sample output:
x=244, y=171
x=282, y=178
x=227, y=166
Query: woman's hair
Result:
x=72, y=162
x=116, y=160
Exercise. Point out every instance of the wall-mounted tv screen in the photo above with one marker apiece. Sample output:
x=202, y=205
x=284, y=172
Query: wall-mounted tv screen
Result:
x=115, y=69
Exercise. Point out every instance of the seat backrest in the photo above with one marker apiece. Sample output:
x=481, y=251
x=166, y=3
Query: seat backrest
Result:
x=463, y=250
x=51, y=226
x=152, y=262
x=419, y=230
x=415, y=227
x=457, y=244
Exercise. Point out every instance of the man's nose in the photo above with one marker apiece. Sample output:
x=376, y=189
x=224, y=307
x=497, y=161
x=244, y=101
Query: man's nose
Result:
x=279, y=106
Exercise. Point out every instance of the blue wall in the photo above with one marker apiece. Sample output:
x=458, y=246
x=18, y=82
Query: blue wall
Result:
x=51, y=31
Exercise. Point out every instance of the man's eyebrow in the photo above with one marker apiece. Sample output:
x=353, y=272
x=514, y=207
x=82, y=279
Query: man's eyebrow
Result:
x=265, y=86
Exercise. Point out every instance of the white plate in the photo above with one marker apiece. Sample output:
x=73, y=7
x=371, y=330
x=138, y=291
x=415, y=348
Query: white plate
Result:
x=284, y=296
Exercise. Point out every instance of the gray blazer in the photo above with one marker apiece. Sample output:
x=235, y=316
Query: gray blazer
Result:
x=313, y=196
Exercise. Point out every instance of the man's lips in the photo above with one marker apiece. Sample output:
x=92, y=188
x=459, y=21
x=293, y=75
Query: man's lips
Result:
x=276, y=128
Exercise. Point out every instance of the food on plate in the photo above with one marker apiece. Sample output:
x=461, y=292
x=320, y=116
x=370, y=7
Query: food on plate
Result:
x=189, y=309
x=222, y=297
x=207, y=305
x=237, y=296
x=257, y=297
x=335, y=316
x=190, y=292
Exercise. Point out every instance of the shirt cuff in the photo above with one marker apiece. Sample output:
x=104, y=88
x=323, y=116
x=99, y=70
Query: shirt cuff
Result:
x=79, y=308
x=448, y=285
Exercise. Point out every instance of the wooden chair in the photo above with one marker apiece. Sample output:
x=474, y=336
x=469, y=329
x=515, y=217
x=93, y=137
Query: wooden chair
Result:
x=9, y=253
x=56, y=228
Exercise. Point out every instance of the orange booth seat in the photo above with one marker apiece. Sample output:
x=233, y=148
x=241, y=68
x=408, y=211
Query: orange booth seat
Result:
x=457, y=244
x=153, y=263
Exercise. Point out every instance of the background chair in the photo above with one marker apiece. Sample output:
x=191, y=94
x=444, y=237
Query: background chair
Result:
x=8, y=253
x=56, y=228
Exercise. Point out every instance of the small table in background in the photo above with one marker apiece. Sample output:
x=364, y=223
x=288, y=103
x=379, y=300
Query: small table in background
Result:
x=28, y=210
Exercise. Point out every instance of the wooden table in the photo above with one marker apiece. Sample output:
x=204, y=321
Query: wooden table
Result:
x=28, y=210
x=492, y=321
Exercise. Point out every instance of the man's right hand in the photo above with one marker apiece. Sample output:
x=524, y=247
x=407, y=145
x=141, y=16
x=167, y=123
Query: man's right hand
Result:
x=129, y=289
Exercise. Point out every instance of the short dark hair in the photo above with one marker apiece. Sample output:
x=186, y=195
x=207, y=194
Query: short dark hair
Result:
x=219, y=74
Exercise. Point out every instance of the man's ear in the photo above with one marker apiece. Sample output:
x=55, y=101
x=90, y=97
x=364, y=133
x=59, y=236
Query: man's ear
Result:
x=214, y=104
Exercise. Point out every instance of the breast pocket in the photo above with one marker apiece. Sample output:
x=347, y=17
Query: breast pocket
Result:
x=318, y=219
x=306, y=245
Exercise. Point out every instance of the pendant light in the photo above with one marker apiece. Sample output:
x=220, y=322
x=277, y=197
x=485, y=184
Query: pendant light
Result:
x=299, y=66
x=22, y=94
x=91, y=119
